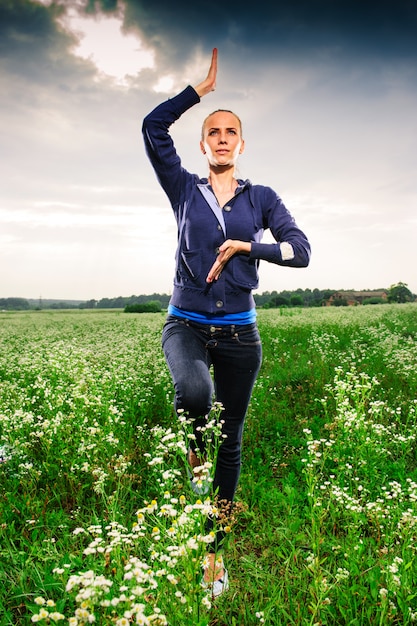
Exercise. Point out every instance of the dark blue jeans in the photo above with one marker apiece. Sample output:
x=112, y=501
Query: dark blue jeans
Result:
x=235, y=353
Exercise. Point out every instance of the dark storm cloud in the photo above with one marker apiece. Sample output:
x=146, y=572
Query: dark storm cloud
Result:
x=28, y=35
x=31, y=41
x=33, y=47
x=347, y=27
x=48, y=94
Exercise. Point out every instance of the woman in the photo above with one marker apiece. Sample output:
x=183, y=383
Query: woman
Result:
x=211, y=317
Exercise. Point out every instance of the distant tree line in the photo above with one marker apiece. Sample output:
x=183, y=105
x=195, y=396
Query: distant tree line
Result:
x=331, y=297
x=267, y=300
x=14, y=304
x=299, y=297
x=121, y=302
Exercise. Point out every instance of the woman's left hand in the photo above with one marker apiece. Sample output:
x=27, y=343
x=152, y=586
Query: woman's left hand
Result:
x=226, y=251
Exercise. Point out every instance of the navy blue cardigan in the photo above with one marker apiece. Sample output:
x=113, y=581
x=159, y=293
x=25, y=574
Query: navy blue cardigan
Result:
x=253, y=209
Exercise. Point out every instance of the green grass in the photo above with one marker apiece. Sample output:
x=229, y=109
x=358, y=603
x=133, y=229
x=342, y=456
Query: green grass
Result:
x=325, y=525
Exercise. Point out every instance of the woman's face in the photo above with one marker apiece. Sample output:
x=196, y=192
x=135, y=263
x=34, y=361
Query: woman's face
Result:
x=222, y=139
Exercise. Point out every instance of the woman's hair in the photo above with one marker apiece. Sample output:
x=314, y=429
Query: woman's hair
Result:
x=220, y=111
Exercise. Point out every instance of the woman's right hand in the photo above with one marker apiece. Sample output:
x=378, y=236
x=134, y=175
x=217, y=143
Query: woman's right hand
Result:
x=209, y=83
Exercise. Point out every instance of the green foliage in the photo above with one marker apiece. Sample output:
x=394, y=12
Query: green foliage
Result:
x=374, y=300
x=296, y=300
x=122, y=302
x=340, y=301
x=153, y=306
x=400, y=293
x=324, y=530
x=14, y=304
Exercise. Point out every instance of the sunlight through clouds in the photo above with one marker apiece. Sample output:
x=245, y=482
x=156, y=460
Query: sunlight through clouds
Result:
x=101, y=40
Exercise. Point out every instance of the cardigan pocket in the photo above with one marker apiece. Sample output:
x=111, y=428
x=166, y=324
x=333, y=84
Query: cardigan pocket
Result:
x=190, y=265
x=244, y=271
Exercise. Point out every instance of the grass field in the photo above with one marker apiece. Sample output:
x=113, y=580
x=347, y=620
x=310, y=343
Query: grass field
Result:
x=99, y=525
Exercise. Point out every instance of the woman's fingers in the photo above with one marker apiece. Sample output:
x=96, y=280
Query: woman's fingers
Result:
x=209, y=83
x=213, y=69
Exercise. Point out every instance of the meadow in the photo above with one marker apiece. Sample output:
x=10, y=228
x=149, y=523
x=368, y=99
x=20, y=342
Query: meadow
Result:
x=98, y=523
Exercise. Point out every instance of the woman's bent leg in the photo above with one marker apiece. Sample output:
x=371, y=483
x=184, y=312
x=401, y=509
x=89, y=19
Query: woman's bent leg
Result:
x=188, y=362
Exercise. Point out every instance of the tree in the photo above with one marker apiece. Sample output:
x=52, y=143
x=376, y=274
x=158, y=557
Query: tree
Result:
x=399, y=293
x=277, y=300
x=296, y=300
x=153, y=306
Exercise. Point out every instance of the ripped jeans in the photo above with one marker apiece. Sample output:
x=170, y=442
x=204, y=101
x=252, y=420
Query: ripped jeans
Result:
x=235, y=352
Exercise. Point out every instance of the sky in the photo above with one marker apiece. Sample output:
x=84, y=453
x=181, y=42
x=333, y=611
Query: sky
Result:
x=327, y=93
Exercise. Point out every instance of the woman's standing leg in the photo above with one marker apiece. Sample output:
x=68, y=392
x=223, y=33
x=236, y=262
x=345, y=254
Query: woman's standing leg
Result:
x=236, y=362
